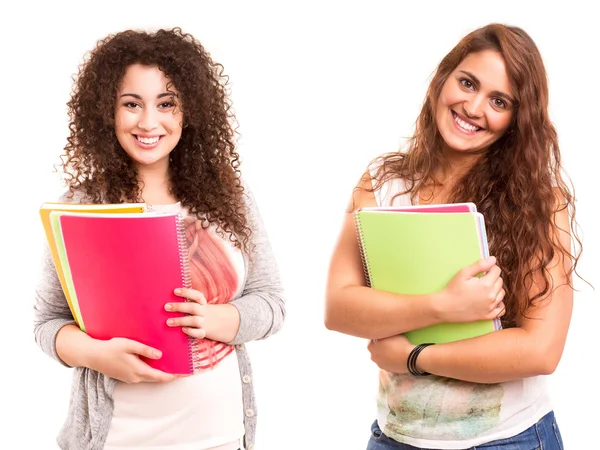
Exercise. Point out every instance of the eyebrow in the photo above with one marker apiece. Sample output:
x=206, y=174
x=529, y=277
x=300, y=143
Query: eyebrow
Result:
x=494, y=93
x=139, y=97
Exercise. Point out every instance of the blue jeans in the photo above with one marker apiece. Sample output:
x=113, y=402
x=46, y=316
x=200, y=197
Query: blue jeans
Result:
x=543, y=435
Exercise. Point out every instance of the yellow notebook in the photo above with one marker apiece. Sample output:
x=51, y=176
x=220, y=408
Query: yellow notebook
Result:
x=45, y=211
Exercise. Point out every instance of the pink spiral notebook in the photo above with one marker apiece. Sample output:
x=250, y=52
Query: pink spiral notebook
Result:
x=124, y=268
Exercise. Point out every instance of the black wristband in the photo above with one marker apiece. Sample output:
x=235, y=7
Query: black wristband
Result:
x=411, y=362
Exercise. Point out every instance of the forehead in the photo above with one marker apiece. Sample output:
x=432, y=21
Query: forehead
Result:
x=489, y=68
x=143, y=78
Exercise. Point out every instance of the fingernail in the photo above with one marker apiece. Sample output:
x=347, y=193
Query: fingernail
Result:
x=177, y=291
x=168, y=307
x=170, y=322
x=157, y=354
x=491, y=258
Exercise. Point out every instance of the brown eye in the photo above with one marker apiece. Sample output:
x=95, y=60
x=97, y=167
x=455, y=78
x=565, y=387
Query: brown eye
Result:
x=499, y=103
x=467, y=83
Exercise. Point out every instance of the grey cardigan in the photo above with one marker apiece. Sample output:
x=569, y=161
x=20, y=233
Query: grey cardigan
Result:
x=261, y=306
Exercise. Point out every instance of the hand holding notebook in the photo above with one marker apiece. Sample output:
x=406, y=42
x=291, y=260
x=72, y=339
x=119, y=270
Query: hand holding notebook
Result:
x=467, y=297
x=125, y=360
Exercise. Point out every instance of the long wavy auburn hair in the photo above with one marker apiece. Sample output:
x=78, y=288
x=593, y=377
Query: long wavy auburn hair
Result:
x=203, y=167
x=514, y=183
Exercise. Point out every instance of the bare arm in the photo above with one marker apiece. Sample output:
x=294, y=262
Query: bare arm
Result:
x=533, y=348
x=74, y=347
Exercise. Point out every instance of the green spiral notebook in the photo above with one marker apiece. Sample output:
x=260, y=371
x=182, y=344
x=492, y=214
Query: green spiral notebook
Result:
x=416, y=250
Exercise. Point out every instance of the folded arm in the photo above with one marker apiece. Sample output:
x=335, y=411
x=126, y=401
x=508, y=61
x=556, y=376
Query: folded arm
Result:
x=533, y=348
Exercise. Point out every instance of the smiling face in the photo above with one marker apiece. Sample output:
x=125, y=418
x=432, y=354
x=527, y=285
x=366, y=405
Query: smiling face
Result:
x=148, y=117
x=475, y=106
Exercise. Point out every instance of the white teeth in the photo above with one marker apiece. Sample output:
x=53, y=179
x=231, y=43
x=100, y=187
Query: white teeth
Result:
x=148, y=141
x=464, y=125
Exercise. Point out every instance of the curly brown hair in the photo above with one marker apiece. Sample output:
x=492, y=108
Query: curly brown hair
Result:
x=513, y=184
x=203, y=167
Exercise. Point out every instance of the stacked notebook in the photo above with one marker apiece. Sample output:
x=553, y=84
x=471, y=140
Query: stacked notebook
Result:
x=418, y=250
x=118, y=266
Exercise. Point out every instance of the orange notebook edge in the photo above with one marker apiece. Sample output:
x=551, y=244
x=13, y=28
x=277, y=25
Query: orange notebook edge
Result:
x=48, y=207
x=45, y=216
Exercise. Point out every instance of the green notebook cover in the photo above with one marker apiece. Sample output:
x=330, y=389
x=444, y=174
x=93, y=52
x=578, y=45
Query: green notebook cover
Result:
x=64, y=262
x=419, y=253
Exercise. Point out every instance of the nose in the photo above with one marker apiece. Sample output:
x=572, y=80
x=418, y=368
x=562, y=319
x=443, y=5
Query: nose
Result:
x=474, y=106
x=148, y=120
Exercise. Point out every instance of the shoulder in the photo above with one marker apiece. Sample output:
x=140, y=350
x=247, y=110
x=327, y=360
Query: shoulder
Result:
x=562, y=217
x=389, y=167
x=251, y=209
x=383, y=178
x=248, y=197
x=367, y=191
x=77, y=196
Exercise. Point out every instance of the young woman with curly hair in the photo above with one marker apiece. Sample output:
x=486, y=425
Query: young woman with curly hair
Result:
x=150, y=121
x=483, y=136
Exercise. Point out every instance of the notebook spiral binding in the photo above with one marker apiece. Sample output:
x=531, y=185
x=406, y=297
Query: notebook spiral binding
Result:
x=186, y=276
x=363, y=256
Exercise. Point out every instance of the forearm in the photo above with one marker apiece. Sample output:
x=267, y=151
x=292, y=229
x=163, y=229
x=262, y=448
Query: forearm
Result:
x=74, y=347
x=497, y=357
x=369, y=313
x=222, y=322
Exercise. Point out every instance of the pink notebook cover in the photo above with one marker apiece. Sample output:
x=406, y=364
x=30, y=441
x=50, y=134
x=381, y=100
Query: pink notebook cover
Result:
x=124, y=270
x=448, y=207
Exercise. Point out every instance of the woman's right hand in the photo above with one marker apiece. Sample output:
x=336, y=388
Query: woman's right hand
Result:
x=119, y=358
x=468, y=298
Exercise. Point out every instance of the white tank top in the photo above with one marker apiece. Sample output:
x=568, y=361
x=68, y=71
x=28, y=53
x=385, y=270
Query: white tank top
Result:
x=199, y=412
x=443, y=413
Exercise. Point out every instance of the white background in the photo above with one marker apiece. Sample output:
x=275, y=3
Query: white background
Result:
x=319, y=89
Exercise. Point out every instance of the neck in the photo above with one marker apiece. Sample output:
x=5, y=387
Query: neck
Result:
x=456, y=165
x=155, y=184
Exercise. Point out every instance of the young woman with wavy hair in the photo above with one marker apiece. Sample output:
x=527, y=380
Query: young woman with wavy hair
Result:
x=483, y=136
x=150, y=121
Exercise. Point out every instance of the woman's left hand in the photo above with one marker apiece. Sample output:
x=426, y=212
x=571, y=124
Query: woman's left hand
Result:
x=195, y=308
x=391, y=353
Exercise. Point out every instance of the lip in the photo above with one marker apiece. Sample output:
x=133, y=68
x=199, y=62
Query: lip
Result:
x=470, y=122
x=141, y=145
